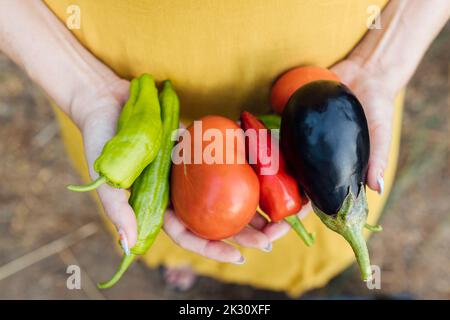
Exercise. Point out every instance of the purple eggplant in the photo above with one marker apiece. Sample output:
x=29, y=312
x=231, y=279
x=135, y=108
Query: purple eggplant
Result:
x=325, y=139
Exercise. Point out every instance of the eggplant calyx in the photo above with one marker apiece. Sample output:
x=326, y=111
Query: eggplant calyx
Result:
x=373, y=228
x=349, y=222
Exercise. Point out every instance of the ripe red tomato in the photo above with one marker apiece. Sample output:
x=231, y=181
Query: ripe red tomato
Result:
x=214, y=201
x=290, y=81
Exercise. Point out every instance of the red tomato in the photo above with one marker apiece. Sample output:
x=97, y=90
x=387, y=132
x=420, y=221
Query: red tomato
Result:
x=215, y=201
x=290, y=81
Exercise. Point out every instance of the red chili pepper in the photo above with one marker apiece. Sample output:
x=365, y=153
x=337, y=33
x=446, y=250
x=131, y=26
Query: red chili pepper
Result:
x=280, y=196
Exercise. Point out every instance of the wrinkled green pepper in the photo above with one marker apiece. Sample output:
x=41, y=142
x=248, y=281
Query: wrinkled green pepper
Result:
x=137, y=141
x=150, y=193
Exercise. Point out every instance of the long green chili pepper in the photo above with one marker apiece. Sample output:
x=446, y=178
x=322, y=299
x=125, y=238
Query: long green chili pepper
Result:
x=137, y=141
x=150, y=193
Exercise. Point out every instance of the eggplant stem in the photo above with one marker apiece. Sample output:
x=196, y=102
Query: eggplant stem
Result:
x=296, y=224
x=356, y=240
x=349, y=222
x=87, y=187
x=127, y=260
x=373, y=228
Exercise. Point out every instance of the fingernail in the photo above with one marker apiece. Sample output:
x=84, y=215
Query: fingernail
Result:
x=124, y=242
x=268, y=248
x=380, y=182
x=240, y=261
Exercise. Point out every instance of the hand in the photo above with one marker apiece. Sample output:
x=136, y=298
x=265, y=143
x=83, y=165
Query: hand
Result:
x=377, y=100
x=96, y=113
x=259, y=234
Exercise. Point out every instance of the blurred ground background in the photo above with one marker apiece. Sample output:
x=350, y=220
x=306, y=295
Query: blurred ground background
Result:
x=35, y=209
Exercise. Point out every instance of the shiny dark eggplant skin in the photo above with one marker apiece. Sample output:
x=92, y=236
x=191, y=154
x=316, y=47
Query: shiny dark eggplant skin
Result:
x=325, y=139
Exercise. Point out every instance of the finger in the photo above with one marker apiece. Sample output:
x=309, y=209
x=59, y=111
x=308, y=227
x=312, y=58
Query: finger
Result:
x=276, y=230
x=258, y=222
x=305, y=210
x=252, y=238
x=117, y=208
x=378, y=108
x=98, y=129
x=380, y=130
x=216, y=250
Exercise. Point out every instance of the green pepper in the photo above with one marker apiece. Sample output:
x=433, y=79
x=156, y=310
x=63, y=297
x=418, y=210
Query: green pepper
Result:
x=150, y=193
x=271, y=121
x=137, y=141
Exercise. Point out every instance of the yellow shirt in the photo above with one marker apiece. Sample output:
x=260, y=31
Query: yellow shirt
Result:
x=223, y=57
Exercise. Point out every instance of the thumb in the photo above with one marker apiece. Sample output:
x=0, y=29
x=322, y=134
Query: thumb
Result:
x=377, y=102
x=379, y=115
x=98, y=129
x=117, y=208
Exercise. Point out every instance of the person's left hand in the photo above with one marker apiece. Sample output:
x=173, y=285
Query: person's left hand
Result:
x=377, y=100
